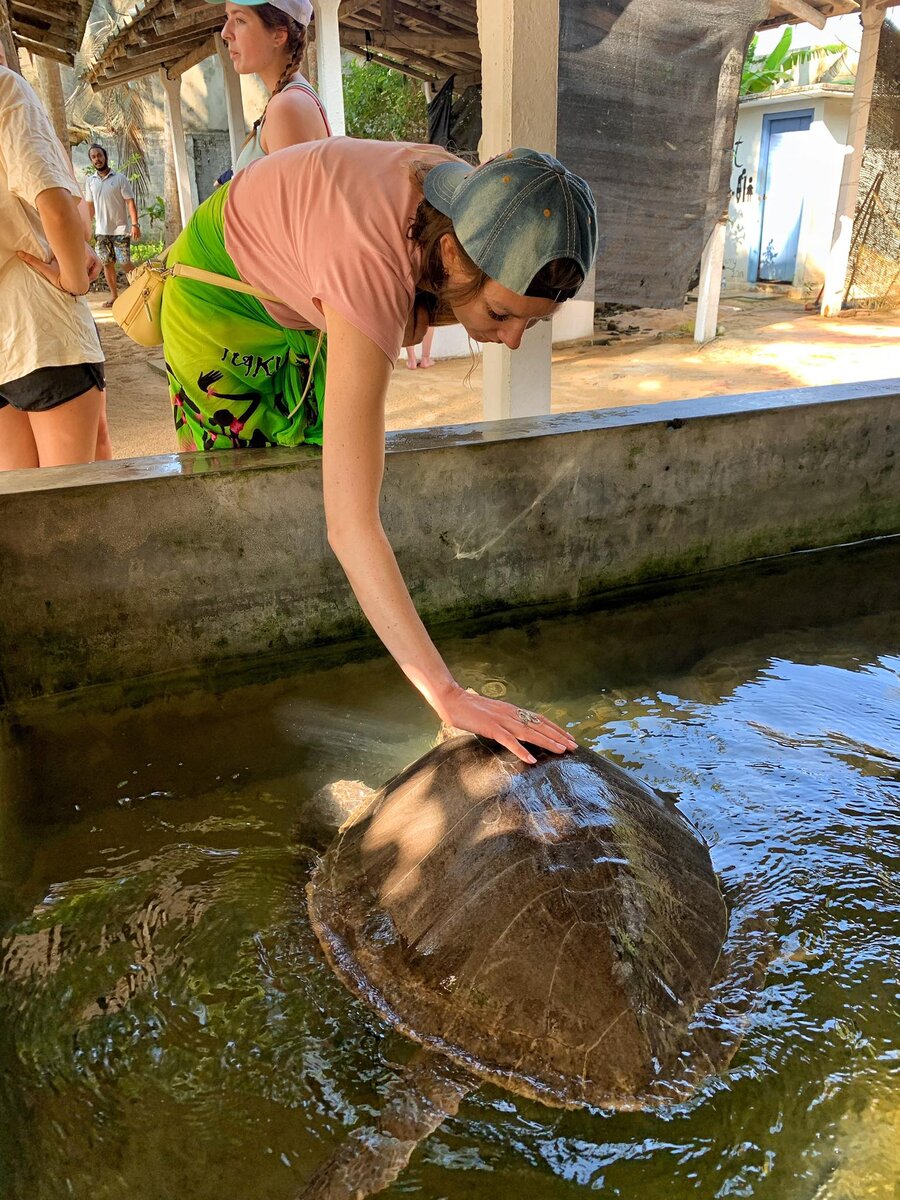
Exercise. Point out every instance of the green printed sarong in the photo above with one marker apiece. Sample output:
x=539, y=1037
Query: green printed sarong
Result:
x=236, y=377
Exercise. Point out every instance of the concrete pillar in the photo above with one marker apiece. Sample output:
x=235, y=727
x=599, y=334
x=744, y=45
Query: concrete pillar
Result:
x=52, y=95
x=175, y=130
x=328, y=62
x=872, y=18
x=234, y=104
x=706, y=321
x=519, y=70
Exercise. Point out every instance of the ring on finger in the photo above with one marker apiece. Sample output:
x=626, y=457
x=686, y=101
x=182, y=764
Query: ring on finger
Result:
x=527, y=718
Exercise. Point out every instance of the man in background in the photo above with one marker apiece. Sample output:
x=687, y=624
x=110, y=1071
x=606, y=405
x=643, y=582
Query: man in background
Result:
x=110, y=203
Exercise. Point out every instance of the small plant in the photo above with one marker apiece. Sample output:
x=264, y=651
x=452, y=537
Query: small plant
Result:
x=141, y=251
x=156, y=213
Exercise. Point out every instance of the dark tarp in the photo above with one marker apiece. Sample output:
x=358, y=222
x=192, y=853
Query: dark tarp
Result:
x=648, y=93
x=440, y=108
x=456, y=124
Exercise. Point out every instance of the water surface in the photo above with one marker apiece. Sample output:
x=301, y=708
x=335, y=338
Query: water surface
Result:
x=167, y=1027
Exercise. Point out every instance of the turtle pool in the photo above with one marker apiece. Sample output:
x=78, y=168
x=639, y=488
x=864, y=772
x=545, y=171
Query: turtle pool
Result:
x=168, y=1029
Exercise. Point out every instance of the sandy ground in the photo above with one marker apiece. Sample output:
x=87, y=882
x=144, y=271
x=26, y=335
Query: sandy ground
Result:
x=767, y=343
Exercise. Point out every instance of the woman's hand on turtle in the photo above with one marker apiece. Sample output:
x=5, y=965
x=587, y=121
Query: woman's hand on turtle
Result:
x=503, y=723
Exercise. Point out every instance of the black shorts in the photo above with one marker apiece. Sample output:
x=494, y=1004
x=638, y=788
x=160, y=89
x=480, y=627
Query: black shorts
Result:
x=48, y=387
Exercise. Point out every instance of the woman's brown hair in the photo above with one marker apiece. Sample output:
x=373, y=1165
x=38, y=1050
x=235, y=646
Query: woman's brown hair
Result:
x=557, y=280
x=274, y=18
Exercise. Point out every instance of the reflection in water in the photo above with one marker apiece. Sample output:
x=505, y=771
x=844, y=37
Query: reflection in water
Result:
x=167, y=1026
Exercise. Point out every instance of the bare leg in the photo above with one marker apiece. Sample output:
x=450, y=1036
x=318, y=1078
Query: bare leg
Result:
x=68, y=433
x=109, y=271
x=411, y=357
x=17, y=446
x=104, y=449
x=426, y=360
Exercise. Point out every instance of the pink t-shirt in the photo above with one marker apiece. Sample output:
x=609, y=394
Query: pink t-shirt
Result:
x=326, y=222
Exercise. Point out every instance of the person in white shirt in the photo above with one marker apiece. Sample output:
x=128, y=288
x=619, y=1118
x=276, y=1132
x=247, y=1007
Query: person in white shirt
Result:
x=111, y=203
x=51, y=364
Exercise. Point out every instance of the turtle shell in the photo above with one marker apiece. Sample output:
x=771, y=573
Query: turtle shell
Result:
x=553, y=928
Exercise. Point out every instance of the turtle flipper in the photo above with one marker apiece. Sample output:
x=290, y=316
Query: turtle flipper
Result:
x=372, y=1156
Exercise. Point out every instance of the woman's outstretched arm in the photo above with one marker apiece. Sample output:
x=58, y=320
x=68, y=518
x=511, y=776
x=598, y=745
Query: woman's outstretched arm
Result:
x=353, y=466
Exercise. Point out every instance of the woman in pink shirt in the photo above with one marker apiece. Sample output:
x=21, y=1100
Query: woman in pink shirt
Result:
x=371, y=242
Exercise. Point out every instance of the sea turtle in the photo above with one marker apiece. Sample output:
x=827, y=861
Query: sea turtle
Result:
x=556, y=929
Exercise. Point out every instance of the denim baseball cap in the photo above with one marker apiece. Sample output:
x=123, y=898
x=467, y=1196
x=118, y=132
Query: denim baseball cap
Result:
x=300, y=10
x=516, y=213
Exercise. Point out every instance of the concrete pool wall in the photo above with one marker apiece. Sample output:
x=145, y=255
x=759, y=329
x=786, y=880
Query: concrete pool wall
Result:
x=141, y=569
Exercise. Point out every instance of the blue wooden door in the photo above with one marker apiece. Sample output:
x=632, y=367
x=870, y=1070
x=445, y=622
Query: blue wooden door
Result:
x=782, y=161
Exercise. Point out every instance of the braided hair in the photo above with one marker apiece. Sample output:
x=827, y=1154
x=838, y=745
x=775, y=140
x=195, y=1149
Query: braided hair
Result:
x=274, y=18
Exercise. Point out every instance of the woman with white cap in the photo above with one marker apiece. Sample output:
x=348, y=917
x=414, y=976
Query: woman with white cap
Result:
x=269, y=40
x=371, y=242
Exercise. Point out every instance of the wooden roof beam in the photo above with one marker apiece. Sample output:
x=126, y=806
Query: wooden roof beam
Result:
x=426, y=43
x=176, y=45
x=403, y=68
x=43, y=50
x=148, y=61
x=37, y=28
x=192, y=58
x=101, y=85
x=804, y=11
x=146, y=40
x=25, y=11
x=194, y=19
x=45, y=37
x=423, y=16
x=462, y=12
x=420, y=66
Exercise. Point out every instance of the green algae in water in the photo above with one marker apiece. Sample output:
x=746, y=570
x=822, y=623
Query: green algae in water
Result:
x=168, y=1028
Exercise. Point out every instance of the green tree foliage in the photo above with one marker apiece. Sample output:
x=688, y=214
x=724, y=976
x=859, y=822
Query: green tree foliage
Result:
x=762, y=72
x=383, y=104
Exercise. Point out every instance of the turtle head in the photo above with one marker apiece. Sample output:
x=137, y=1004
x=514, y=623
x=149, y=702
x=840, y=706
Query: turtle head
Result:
x=328, y=808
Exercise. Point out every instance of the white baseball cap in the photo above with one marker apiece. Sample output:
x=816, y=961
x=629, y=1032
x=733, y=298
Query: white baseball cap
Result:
x=300, y=10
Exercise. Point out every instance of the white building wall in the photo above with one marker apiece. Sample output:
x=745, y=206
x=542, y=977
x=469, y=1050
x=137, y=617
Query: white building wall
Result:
x=817, y=177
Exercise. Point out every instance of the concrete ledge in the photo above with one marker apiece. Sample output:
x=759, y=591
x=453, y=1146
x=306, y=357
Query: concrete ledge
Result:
x=128, y=570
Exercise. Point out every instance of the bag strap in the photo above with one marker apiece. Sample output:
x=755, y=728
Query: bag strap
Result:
x=222, y=281
x=214, y=280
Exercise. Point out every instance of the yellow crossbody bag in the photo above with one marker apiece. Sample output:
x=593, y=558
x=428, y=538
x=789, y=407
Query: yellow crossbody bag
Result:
x=137, y=310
